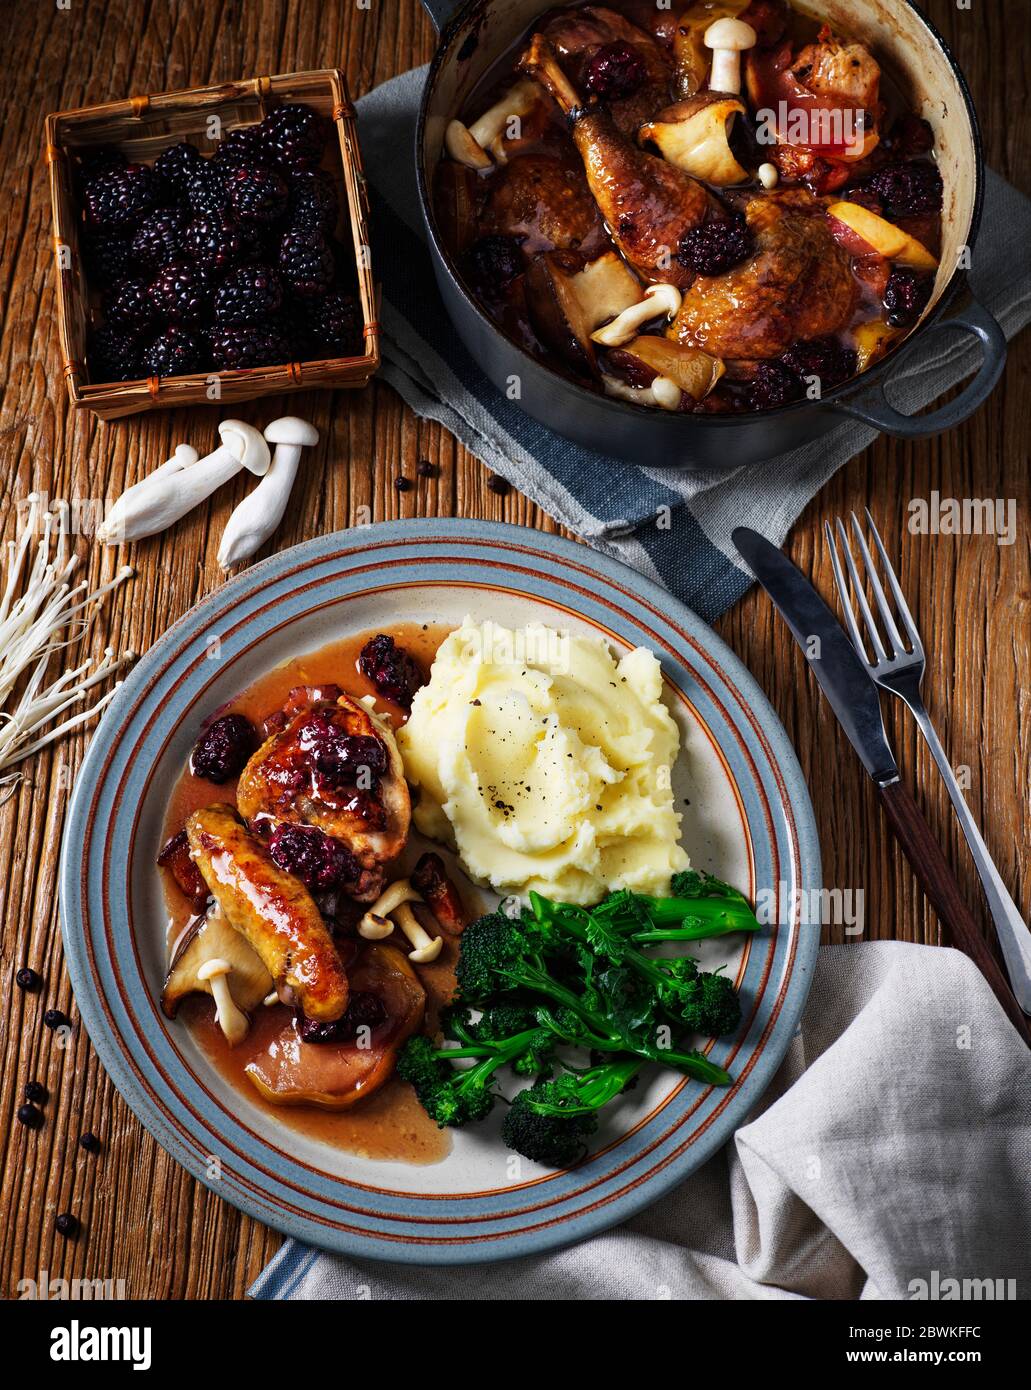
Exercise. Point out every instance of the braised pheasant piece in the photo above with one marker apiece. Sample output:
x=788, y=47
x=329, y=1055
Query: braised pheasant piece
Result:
x=798, y=285
x=272, y=909
x=611, y=60
x=334, y=767
x=649, y=205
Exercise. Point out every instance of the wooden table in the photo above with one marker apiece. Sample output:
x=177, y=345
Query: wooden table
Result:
x=144, y=1220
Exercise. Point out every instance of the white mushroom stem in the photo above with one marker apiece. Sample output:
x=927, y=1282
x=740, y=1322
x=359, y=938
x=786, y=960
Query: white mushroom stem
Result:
x=259, y=514
x=160, y=500
x=463, y=147
x=424, y=947
x=518, y=101
x=658, y=299
x=662, y=392
x=768, y=174
x=728, y=39
x=231, y=1019
x=374, y=926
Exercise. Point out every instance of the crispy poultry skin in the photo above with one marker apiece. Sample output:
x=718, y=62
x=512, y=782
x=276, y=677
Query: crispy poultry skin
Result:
x=280, y=784
x=647, y=204
x=544, y=200
x=578, y=34
x=797, y=285
x=272, y=909
x=844, y=74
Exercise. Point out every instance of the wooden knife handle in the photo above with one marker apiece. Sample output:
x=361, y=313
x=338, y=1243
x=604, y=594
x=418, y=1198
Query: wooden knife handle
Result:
x=943, y=893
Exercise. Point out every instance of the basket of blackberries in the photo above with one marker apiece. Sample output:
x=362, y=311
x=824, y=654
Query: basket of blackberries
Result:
x=212, y=245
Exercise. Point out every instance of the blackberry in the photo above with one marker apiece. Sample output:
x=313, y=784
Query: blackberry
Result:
x=392, y=671
x=214, y=241
x=294, y=136
x=235, y=346
x=719, y=244
x=616, y=70
x=907, y=190
x=239, y=146
x=257, y=193
x=248, y=293
x=119, y=196
x=222, y=750
x=128, y=305
x=335, y=325
x=824, y=358
x=172, y=353
x=364, y=1010
x=181, y=292
x=108, y=257
x=96, y=160
x=906, y=295
x=773, y=385
x=910, y=137
x=306, y=263
x=178, y=164
x=112, y=354
x=313, y=205
x=339, y=759
x=494, y=262
x=204, y=191
x=319, y=861
x=159, y=238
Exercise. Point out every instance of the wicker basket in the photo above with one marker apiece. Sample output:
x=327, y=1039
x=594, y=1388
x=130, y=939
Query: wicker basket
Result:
x=143, y=127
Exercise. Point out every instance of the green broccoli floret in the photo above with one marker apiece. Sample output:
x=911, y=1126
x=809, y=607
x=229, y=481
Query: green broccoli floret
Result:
x=550, y=1122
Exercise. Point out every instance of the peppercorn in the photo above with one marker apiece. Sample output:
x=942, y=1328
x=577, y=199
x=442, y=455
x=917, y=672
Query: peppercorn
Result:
x=29, y=1116
x=67, y=1225
x=425, y=469
x=36, y=1091
x=89, y=1142
x=402, y=484
x=27, y=978
x=497, y=484
x=54, y=1018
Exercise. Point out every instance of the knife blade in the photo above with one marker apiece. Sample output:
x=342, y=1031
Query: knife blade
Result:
x=843, y=678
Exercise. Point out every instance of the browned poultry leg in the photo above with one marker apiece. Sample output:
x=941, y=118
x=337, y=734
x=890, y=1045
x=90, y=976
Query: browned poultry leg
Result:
x=648, y=204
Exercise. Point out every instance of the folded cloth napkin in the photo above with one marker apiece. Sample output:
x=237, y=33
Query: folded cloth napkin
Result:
x=614, y=506
x=892, y=1154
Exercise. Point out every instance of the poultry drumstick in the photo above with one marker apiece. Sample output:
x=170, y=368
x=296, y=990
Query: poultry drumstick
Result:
x=648, y=204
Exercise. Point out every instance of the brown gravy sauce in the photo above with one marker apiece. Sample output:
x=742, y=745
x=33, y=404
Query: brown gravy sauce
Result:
x=390, y=1124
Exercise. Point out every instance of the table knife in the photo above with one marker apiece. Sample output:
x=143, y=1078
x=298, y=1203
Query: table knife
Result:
x=855, y=700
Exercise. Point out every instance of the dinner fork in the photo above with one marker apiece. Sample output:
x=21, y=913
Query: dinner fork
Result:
x=901, y=671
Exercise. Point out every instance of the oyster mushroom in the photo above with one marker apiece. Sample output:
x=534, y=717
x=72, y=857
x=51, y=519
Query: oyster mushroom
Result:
x=215, y=959
x=462, y=146
x=694, y=371
x=488, y=130
x=661, y=393
x=658, y=299
x=694, y=135
x=567, y=301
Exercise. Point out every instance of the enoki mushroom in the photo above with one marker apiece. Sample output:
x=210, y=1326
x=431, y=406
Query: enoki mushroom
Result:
x=41, y=614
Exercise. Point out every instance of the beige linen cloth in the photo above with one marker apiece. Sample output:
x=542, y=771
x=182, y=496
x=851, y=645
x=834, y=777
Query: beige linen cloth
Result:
x=891, y=1154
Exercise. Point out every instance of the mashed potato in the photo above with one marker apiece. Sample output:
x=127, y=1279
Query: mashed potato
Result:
x=545, y=763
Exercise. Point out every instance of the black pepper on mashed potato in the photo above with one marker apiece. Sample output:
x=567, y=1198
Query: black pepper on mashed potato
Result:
x=546, y=763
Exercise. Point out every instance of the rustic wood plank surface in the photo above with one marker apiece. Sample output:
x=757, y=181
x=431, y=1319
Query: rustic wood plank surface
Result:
x=144, y=1220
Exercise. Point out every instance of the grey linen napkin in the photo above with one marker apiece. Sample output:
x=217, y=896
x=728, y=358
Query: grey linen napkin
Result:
x=611, y=505
x=891, y=1154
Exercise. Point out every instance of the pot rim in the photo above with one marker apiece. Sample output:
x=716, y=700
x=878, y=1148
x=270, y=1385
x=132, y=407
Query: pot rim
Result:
x=847, y=390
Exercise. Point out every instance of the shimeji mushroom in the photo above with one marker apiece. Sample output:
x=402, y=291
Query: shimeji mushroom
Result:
x=460, y=145
x=259, y=514
x=567, y=301
x=694, y=135
x=424, y=947
x=215, y=959
x=658, y=299
x=168, y=494
x=728, y=39
x=375, y=924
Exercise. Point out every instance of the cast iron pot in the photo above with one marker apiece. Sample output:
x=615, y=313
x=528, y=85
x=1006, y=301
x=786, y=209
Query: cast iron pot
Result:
x=474, y=34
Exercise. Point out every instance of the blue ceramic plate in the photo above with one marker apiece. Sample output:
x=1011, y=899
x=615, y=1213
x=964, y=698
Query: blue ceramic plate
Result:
x=746, y=815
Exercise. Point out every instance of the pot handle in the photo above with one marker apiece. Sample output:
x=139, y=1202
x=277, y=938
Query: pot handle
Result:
x=974, y=319
x=440, y=11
